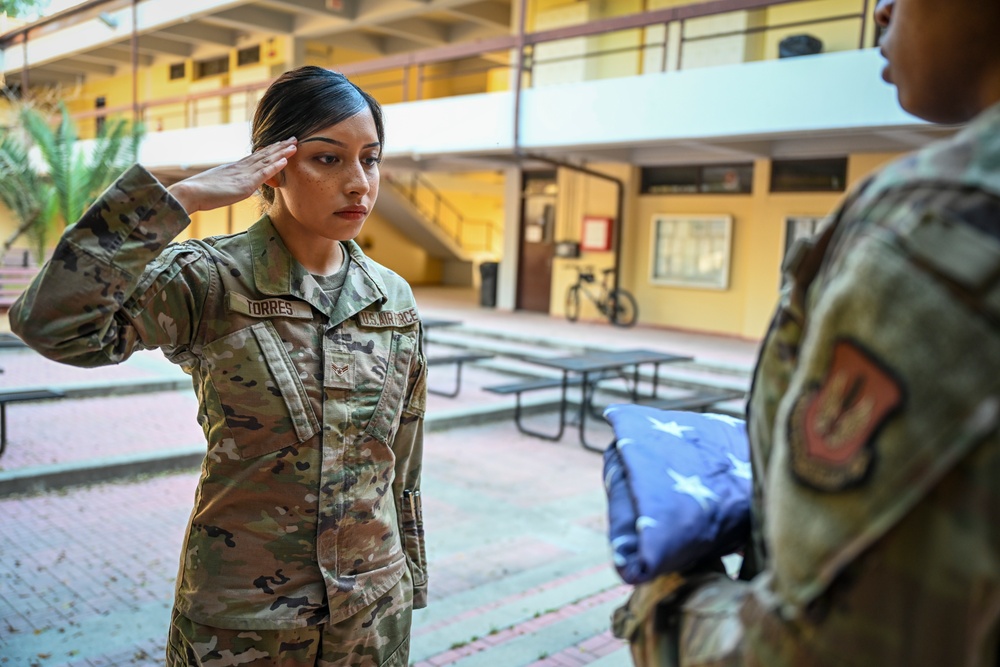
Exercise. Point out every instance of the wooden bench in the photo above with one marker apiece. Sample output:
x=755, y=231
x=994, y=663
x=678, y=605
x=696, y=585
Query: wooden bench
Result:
x=457, y=360
x=18, y=396
x=13, y=281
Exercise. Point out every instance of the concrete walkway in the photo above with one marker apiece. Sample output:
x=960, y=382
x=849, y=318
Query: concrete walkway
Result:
x=516, y=527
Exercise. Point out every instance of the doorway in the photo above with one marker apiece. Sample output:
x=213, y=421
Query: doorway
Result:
x=539, y=194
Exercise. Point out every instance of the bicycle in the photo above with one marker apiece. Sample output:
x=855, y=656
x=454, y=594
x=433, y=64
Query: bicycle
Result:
x=615, y=304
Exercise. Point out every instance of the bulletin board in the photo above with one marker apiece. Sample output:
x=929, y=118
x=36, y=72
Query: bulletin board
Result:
x=595, y=233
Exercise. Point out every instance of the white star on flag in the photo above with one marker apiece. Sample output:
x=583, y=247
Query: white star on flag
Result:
x=740, y=468
x=673, y=428
x=644, y=522
x=693, y=487
x=612, y=469
x=732, y=421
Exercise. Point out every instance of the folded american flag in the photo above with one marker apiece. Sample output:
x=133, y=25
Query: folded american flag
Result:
x=678, y=486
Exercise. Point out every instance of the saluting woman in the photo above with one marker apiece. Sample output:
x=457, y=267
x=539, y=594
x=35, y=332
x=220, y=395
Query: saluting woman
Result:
x=305, y=545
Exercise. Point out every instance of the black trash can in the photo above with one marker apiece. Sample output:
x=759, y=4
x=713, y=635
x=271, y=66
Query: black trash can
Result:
x=488, y=284
x=799, y=45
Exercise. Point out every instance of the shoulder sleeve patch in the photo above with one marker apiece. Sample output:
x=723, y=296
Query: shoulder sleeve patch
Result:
x=832, y=426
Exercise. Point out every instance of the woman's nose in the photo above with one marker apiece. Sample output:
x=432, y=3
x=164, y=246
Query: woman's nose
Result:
x=357, y=180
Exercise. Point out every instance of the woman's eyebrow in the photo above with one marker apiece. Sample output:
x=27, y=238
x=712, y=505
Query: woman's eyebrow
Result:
x=374, y=144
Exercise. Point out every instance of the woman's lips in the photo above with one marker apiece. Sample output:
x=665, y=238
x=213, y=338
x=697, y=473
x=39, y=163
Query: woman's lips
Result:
x=886, y=74
x=353, y=214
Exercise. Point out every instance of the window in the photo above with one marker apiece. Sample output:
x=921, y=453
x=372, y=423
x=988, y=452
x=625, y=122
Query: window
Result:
x=691, y=250
x=248, y=56
x=99, y=121
x=212, y=67
x=828, y=175
x=692, y=179
x=178, y=71
x=538, y=214
x=803, y=227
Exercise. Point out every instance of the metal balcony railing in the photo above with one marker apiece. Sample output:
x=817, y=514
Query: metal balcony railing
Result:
x=642, y=43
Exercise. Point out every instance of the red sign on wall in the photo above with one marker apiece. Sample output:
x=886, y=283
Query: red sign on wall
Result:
x=595, y=233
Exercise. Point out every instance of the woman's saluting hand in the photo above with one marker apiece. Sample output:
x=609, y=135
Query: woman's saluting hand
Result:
x=231, y=183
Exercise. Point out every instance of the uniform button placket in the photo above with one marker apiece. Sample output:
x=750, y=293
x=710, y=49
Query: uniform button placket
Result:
x=335, y=412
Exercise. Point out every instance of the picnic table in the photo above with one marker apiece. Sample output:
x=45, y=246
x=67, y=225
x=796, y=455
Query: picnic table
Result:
x=456, y=358
x=434, y=323
x=586, y=370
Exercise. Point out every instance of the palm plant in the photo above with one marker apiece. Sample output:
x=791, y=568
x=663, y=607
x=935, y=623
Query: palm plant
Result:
x=66, y=179
x=22, y=8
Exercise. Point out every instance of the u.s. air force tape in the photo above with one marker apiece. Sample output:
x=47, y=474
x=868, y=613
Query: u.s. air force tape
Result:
x=388, y=318
x=269, y=307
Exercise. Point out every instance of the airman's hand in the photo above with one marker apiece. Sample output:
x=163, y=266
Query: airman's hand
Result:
x=231, y=183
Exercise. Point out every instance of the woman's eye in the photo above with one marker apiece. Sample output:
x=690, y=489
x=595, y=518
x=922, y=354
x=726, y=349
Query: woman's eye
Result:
x=327, y=159
x=372, y=161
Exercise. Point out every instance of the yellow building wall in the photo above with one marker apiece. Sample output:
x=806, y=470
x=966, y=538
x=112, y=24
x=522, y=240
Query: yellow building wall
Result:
x=387, y=246
x=117, y=92
x=483, y=219
x=758, y=257
x=758, y=241
x=582, y=195
x=840, y=35
x=720, y=311
x=168, y=116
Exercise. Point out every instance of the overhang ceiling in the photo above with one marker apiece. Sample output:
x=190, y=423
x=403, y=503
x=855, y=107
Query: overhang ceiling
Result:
x=372, y=27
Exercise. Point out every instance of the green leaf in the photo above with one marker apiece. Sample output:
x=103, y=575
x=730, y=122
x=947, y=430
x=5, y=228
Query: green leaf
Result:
x=69, y=175
x=23, y=8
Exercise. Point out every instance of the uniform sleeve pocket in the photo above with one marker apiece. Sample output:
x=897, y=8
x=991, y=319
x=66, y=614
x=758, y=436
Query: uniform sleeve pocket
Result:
x=260, y=395
x=413, y=536
x=387, y=411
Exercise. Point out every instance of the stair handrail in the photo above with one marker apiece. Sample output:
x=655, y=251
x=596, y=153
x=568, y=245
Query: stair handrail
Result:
x=411, y=192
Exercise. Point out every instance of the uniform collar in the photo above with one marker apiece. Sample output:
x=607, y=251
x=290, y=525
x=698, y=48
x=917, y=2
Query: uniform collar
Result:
x=277, y=273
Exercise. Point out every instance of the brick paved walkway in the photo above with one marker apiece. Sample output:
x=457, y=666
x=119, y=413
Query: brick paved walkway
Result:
x=516, y=546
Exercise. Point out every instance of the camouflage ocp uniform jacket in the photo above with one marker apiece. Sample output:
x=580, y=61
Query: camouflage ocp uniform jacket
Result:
x=874, y=424
x=308, y=505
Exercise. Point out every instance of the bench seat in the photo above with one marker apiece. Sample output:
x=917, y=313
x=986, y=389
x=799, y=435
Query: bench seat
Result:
x=698, y=401
x=457, y=359
x=531, y=385
x=18, y=396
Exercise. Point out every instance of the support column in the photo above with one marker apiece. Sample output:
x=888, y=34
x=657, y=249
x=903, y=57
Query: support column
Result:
x=507, y=271
x=295, y=52
x=135, y=63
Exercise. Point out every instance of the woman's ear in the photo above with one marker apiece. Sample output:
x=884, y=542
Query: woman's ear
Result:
x=275, y=181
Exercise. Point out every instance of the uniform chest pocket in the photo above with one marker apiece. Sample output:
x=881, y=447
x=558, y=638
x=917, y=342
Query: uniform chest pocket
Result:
x=261, y=400
x=385, y=417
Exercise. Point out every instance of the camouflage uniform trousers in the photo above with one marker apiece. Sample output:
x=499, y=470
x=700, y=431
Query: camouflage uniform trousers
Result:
x=377, y=636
